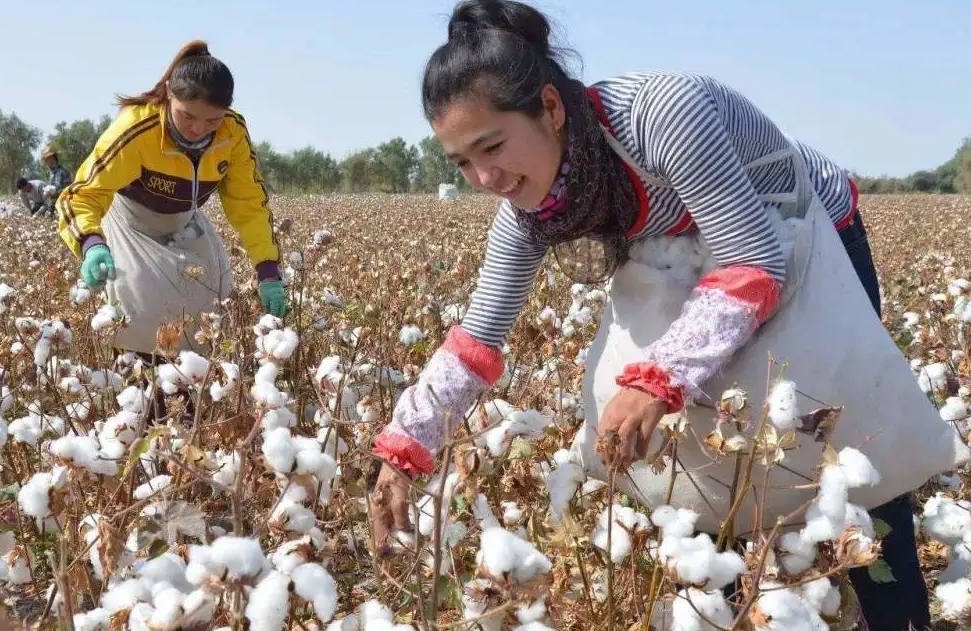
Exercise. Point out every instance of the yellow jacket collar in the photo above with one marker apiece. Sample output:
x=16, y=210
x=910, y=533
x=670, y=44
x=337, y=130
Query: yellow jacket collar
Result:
x=223, y=132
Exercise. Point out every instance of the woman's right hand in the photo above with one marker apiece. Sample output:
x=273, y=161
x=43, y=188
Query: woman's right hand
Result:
x=389, y=507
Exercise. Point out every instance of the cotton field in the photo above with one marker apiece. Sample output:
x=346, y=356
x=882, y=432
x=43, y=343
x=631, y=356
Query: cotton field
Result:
x=227, y=488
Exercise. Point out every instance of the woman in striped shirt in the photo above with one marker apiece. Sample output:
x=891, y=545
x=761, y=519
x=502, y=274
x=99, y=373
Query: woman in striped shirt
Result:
x=516, y=125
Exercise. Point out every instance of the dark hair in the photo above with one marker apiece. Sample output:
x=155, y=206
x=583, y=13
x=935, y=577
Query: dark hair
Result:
x=194, y=75
x=495, y=48
x=21, y=182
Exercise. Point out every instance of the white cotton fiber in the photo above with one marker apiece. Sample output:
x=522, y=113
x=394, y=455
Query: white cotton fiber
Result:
x=783, y=406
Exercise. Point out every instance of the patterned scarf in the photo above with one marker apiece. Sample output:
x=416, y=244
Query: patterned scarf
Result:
x=193, y=149
x=592, y=204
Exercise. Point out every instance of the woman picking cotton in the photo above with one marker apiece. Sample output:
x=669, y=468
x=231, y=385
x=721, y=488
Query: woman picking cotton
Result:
x=133, y=213
x=630, y=160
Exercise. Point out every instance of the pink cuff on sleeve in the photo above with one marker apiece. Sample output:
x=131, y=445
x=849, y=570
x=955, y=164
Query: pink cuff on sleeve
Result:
x=751, y=286
x=651, y=378
x=404, y=452
x=483, y=360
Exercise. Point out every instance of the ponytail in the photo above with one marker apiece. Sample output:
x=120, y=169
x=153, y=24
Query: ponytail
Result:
x=194, y=74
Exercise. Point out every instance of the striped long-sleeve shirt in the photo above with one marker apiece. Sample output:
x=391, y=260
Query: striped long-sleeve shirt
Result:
x=686, y=130
x=695, y=133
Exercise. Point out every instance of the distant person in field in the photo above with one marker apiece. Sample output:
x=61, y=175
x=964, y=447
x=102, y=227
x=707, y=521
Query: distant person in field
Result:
x=37, y=196
x=133, y=214
x=60, y=177
x=514, y=122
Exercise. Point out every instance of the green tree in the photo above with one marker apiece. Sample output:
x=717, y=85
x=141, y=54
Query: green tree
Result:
x=314, y=171
x=359, y=171
x=74, y=142
x=396, y=165
x=18, y=142
x=275, y=167
x=434, y=168
x=962, y=164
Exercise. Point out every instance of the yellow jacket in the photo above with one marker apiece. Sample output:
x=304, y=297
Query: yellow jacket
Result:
x=136, y=158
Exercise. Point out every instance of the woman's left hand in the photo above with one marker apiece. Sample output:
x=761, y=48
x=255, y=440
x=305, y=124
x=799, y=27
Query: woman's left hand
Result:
x=273, y=298
x=633, y=414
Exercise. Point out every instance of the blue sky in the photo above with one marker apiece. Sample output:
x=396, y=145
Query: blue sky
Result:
x=881, y=86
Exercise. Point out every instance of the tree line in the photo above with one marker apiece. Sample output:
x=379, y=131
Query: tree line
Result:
x=393, y=166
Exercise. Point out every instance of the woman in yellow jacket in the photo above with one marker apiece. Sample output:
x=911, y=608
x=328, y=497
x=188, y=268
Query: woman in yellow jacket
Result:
x=132, y=214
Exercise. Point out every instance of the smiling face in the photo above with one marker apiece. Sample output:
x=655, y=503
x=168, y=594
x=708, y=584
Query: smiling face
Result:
x=509, y=154
x=195, y=119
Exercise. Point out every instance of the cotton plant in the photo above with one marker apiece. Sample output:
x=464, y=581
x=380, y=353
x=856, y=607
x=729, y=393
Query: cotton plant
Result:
x=948, y=520
x=506, y=422
x=8, y=295
x=509, y=567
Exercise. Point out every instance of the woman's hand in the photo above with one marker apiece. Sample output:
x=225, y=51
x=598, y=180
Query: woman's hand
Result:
x=389, y=506
x=632, y=414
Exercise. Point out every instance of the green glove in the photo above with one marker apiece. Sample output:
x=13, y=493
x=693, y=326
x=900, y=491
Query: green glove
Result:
x=97, y=266
x=273, y=298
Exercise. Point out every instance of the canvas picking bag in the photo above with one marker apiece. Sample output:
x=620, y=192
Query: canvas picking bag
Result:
x=836, y=350
x=167, y=266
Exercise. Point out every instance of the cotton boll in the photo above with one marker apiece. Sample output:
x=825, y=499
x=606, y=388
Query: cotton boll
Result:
x=834, y=490
x=106, y=316
x=858, y=517
x=483, y=512
x=696, y=561
x=933, y=377
x=293, y=516
x=239, y=557
x=946, y=519
x=822, y=595
x=821, y=527
x=268, y=604
x=783, y=406
x=18, y=572
x=502, y=553
x=410, y=335
x=126, y=595
x=796, y=553
x=674, y=522
x=954, y=409
x=512, y=515
x=168, y=608
x=533, y=626
x=348, y=623
x=156, y=484
x=279, y=450
x=97, y=619
x=784, y=610
x=955, y=599
x=34, y=496
x=373, y=610
x=711, y=605
x=857, y=468
x=959, y=563
x=314, y=584
x=168, y=567
x=83, y=451
x=625, y=520
x=562, y=484
x=278, y=417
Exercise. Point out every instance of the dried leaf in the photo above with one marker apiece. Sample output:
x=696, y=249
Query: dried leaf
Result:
x=716, y=440
x=830, y=457
x=175, y=517
x=820, y=423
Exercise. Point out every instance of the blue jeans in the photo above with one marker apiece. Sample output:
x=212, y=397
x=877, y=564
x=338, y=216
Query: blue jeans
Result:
x=903, y=603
